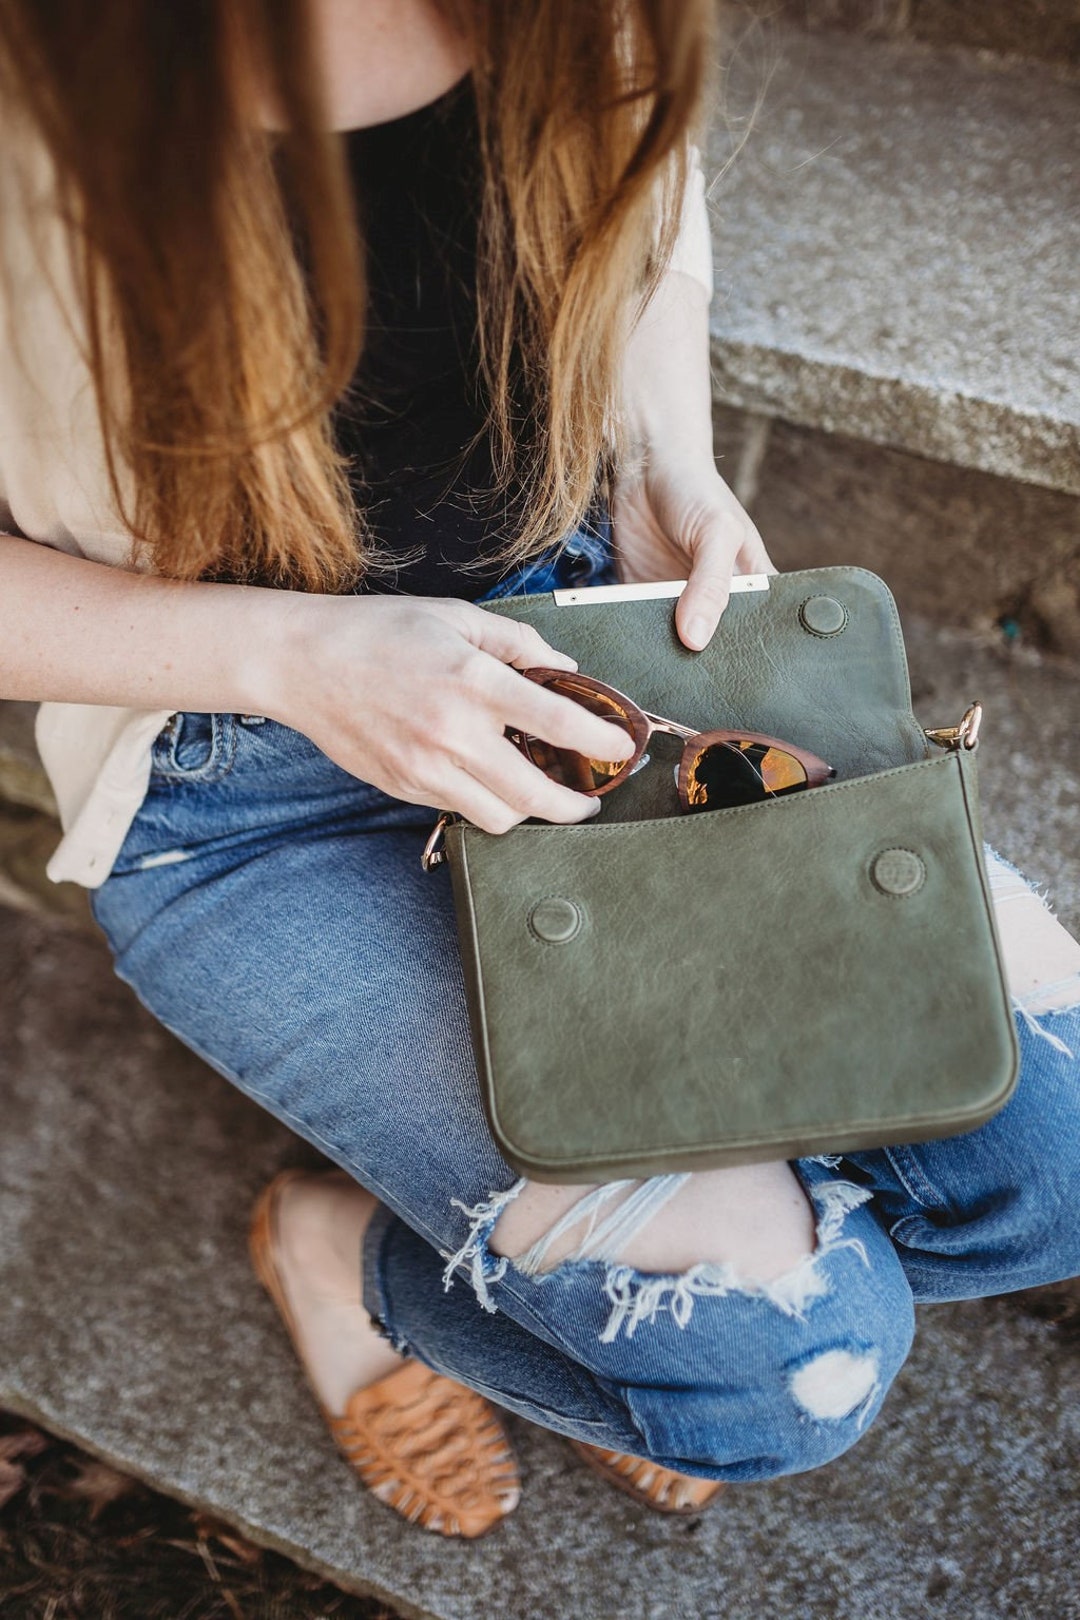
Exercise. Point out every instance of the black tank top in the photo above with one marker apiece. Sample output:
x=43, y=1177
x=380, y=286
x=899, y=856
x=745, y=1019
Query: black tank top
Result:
x=414, y=407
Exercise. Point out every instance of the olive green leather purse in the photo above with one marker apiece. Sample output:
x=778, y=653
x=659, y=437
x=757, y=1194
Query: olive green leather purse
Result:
x=653, y=991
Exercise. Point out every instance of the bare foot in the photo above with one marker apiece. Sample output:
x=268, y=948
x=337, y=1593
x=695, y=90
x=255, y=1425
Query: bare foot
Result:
x=321, y=1220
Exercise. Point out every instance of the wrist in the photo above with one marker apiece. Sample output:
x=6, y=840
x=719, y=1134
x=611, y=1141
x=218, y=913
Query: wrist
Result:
x=302, y=643
x=273, y=641
x=667, y=385
x=675, y=453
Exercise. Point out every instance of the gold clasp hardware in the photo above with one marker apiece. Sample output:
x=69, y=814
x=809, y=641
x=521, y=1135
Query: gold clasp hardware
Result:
x=434, y=854
x=965, y=735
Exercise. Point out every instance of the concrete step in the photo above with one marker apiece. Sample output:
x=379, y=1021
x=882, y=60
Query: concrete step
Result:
x=130, y=1322
x=896, y=245
x=966, y=548
x=28, y=830
x=1048, y=32
x=22, y=780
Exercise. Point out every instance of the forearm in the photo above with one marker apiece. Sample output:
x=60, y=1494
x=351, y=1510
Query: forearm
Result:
x=413, y=694
x=675, y=518
x=666, y=380
x=79, y=632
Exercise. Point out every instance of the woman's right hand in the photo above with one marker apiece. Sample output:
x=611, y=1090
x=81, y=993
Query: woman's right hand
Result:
x=414, y=694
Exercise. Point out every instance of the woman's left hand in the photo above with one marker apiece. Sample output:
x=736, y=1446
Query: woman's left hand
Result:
x=677, y=519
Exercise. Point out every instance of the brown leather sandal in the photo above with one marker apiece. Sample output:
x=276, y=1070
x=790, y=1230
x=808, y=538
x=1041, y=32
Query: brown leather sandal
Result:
x=659, y=1488
x=428, y=1447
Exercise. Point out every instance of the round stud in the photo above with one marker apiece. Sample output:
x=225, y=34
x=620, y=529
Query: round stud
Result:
x=555, y=920
x=898, y=872
x=823, y=616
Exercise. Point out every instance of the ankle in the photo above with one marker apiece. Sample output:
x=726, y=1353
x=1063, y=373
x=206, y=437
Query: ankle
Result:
x=322, y=1219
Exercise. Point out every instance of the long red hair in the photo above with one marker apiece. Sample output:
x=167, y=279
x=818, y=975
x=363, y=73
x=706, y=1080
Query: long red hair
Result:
x=216, y=361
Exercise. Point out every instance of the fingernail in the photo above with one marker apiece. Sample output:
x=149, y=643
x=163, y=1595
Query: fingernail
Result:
x=697, y=632
x=595, y=809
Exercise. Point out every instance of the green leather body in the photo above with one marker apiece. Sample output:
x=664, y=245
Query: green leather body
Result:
x=751, y=983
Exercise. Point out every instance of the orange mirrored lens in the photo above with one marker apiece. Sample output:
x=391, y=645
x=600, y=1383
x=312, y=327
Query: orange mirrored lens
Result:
x=741, y=772
x=562, y=764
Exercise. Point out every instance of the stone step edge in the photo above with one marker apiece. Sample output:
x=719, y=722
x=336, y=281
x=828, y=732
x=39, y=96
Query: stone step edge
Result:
x=13, y=1400
x=899, y=413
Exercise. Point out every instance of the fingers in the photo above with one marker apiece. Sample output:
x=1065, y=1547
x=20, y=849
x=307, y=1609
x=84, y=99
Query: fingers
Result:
x=752, y=556
x=525, y=706
x=512, y=642
x=460, y=758
x=503, y=787
x=729, y=543
x=522, y=790
x=561, y=721
x=503, y=799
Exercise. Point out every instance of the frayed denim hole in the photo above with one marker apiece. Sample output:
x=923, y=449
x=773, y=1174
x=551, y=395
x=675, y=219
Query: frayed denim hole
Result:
x=1055, y=1013
x=1041, y=1026
x=474, y=1258
x=837, y=1383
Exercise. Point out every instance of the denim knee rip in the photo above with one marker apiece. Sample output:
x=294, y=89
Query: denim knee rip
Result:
x=1052, y=997
x=638, y=1298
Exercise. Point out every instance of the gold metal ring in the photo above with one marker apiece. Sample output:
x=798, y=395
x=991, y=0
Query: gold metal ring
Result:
x=434, y=854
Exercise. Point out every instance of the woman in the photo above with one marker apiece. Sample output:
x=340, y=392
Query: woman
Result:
x=328, y=321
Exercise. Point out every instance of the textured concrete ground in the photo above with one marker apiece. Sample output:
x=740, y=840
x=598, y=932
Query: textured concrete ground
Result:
x=129, y=1319
x=1044, y=29
x=896, y=250
x=1030, y=763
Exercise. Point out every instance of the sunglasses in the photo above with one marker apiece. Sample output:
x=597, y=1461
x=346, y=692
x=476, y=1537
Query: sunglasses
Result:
x=718, y=769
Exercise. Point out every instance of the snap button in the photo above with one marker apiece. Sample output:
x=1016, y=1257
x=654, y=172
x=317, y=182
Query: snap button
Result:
x=897, y=872
x=823, y=615
x=555, y=920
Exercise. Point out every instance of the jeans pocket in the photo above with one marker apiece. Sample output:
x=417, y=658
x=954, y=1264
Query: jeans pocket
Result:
x=195, y=748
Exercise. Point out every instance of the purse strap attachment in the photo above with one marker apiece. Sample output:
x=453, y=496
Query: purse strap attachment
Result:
x=433, y=852
x=965, y=735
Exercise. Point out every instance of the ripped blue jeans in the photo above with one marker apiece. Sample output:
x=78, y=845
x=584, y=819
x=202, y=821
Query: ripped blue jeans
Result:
x=271, y=911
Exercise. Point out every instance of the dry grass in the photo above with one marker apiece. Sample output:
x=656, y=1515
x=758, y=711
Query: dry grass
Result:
x=79, y=1541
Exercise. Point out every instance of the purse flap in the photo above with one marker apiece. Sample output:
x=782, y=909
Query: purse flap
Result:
x=817, y=659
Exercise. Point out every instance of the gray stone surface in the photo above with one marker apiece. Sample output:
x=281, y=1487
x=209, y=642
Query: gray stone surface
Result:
x=1049, y=29
x=1046, y=30
x=129, y=1320
x=896, y=249
x=22, y=779
x=960, y=546
x=1029, y=765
